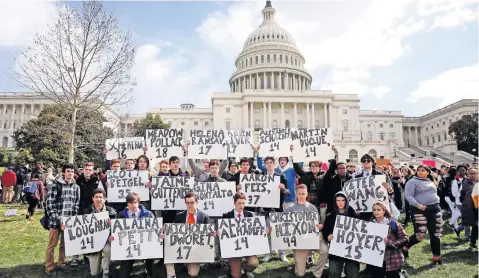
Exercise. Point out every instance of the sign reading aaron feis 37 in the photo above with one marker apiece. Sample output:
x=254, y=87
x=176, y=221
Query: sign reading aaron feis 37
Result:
x=86, y=233
x=164, y=143
x=123, y=148
x=261, y=190
x=123, y=182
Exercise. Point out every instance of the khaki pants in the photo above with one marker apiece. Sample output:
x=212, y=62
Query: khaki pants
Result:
x=235, y=265
x=7, y=194
x=193, y=269
x=301, y=257
x=100, y=261
x=55, y=236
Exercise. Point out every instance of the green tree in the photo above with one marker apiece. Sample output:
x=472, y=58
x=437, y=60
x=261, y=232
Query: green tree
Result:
x=149, y=122
x=24, y=157
x=464, y=131
x=47, y=137
x=4, y=156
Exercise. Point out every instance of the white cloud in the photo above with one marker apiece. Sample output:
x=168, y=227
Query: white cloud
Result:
x=380, y=91
x=21, y=20
x=454, y=18
x=449, y=86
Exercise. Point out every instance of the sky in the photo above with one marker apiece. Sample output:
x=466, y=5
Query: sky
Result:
x=413, y=56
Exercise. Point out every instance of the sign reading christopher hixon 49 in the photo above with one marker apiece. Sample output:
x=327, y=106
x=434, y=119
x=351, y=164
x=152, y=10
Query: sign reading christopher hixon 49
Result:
x=207, y=144
x=261, y=190
x=241, y=237
x=312, y=144
x=359, y=240
x=168, y=192
x=164, y=143
x=240, y=143
x=275, y=142
x=86, y=233
x=294, y=230
x=123, y=182
x=136, y=239
x=363, y=192
x=123, y=148
x=189, y=243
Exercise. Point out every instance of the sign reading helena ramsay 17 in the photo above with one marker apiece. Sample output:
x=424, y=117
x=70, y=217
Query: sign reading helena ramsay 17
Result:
x=207, y=144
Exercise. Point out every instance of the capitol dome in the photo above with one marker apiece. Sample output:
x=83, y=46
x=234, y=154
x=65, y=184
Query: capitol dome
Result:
x=270, y=59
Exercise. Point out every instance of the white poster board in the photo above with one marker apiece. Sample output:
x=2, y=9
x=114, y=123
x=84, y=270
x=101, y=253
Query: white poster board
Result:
x=168, y=192
x=86, y=233
x=261, y=191
x=207, y=144
x=136, y=239
x=294, y=230
x=275, y=142
x=363, y=192
x=215, y=198
x=240, y=143
x=164, y=143
x=123, y=182
x=243, y=237
x=189, y=243
x=359, y=240
x=124, y=148
x=312, y=144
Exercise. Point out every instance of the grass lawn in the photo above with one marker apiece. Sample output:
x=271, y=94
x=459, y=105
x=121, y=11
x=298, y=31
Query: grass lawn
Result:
x=23, y=245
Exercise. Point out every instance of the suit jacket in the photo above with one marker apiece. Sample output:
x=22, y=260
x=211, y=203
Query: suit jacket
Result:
x=231, y=214
x=201, y=217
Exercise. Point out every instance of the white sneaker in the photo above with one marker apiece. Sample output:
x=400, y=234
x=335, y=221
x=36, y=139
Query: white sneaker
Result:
x=274, y=252
x=266, y=258
x=283, y=258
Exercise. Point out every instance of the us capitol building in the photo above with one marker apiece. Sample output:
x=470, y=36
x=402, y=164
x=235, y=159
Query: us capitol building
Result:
x=271, y=89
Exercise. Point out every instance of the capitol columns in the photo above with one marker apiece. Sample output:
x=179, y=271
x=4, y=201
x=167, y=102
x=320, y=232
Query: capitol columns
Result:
x=312, y=116
x=251, y=120
x=3, y=115
x=22, y=115
x=282, y=116
x=257, y=81
x=245, y=115
x=286, y=81
x=326, y=107
x=295, y=115
x=307, y=115
x=270, y=122
x=264, y=115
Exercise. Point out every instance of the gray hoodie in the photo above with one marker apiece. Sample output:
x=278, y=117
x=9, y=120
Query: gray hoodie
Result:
x=421, y=191
x=201, y=175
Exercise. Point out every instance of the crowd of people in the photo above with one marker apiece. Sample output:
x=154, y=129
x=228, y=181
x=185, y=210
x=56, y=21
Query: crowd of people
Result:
x=422, y=193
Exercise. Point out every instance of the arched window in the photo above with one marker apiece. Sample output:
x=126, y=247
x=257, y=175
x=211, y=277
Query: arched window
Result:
x=275, y=124
x=286, y=58
x=246, y=62
x=274, y=58
x=353, y=156
x=316, y=124
x=291, y=60
x=228, y=125
x=345, y=125
x=373, y=153
x=256, y=124
x=251, y=61
x=268, y=60
x=286, y=124
x=256, y=59
x=369, y=136
x=281, y=58
x=300, y=124
x=5, y=142
x=381, y=135
x=262, y=59
x=295, y=61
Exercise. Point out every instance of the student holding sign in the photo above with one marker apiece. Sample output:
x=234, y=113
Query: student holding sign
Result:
x=251, y=261
x=191, y=215
x=202, y=175
x=101, y=260
x=336, y=264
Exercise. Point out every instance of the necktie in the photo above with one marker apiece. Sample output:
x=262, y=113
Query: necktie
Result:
x=239, y=215
x=133, y=215
x=191, y=218
x=367, y=174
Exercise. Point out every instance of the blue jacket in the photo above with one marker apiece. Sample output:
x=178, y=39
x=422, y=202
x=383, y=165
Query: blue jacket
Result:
x=143, y=212
x=290, y=175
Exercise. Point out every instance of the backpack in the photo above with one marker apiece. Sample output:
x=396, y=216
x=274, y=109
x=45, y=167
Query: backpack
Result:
x=31, y=188
x=394, y=229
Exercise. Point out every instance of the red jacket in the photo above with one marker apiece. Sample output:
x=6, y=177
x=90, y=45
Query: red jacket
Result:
x=9, y=178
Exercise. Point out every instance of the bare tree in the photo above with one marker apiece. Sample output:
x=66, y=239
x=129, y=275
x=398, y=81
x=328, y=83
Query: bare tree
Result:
x=83, y=60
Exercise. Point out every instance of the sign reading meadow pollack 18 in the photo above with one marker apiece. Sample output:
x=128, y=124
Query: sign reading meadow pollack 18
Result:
x=359, y=240
x=207, y=144
x=123, y=148
x=136, y=239
x=86, y=233
x=312, y=144
x=123, y=182
x=243, y=237
x=363, y=192
x=164, y=143
x=240, y=143
x=261, y=190
x=167, y=193
x=275, y=142
x=294, y=230
x=189, y=243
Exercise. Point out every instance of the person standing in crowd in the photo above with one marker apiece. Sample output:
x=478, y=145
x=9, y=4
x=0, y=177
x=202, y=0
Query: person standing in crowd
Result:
x=421, y=193
x=244, y=169
x=100, y=261
x=214, y=172
x=397, y=184
x=35, y=195
x=451, y=201
x=164, y=168
x=336, y=264
x=269, y=171
x=199, y=174
x=21, y=180
x=134, y=210
x=251, y=261
x=88, y=182
x=63, y=201
x=351, y=170
x=9, y=180
x=468, y=210
x=395, y=240
x=232, y=169
x=333, y=182
x=49, y=179
x=456, y=188
x=130, y=164
x=407, y=174
x=115, y=164
x=191, y=215
x=301, y=256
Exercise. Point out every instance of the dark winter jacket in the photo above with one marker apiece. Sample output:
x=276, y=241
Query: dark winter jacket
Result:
x=313, y=182
x=467, y=209
x=332, y=184
x=87, y=186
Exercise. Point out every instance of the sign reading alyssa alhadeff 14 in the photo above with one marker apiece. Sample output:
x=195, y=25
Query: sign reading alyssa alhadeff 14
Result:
x=261, y=190
x=189, y=243
x=123, y=148
x=207, y=144
x=123, y=182
x=312, y=144
x=242, y=237
x=240, y=143
x=86, y=233
x=164, y=143
x=275, y=142
x=359, y=240
x=363, y=192
x=136, y=239
x=294, y=230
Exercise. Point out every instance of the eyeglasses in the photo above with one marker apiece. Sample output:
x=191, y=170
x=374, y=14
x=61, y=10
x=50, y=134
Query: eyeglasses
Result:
x=366, y=161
